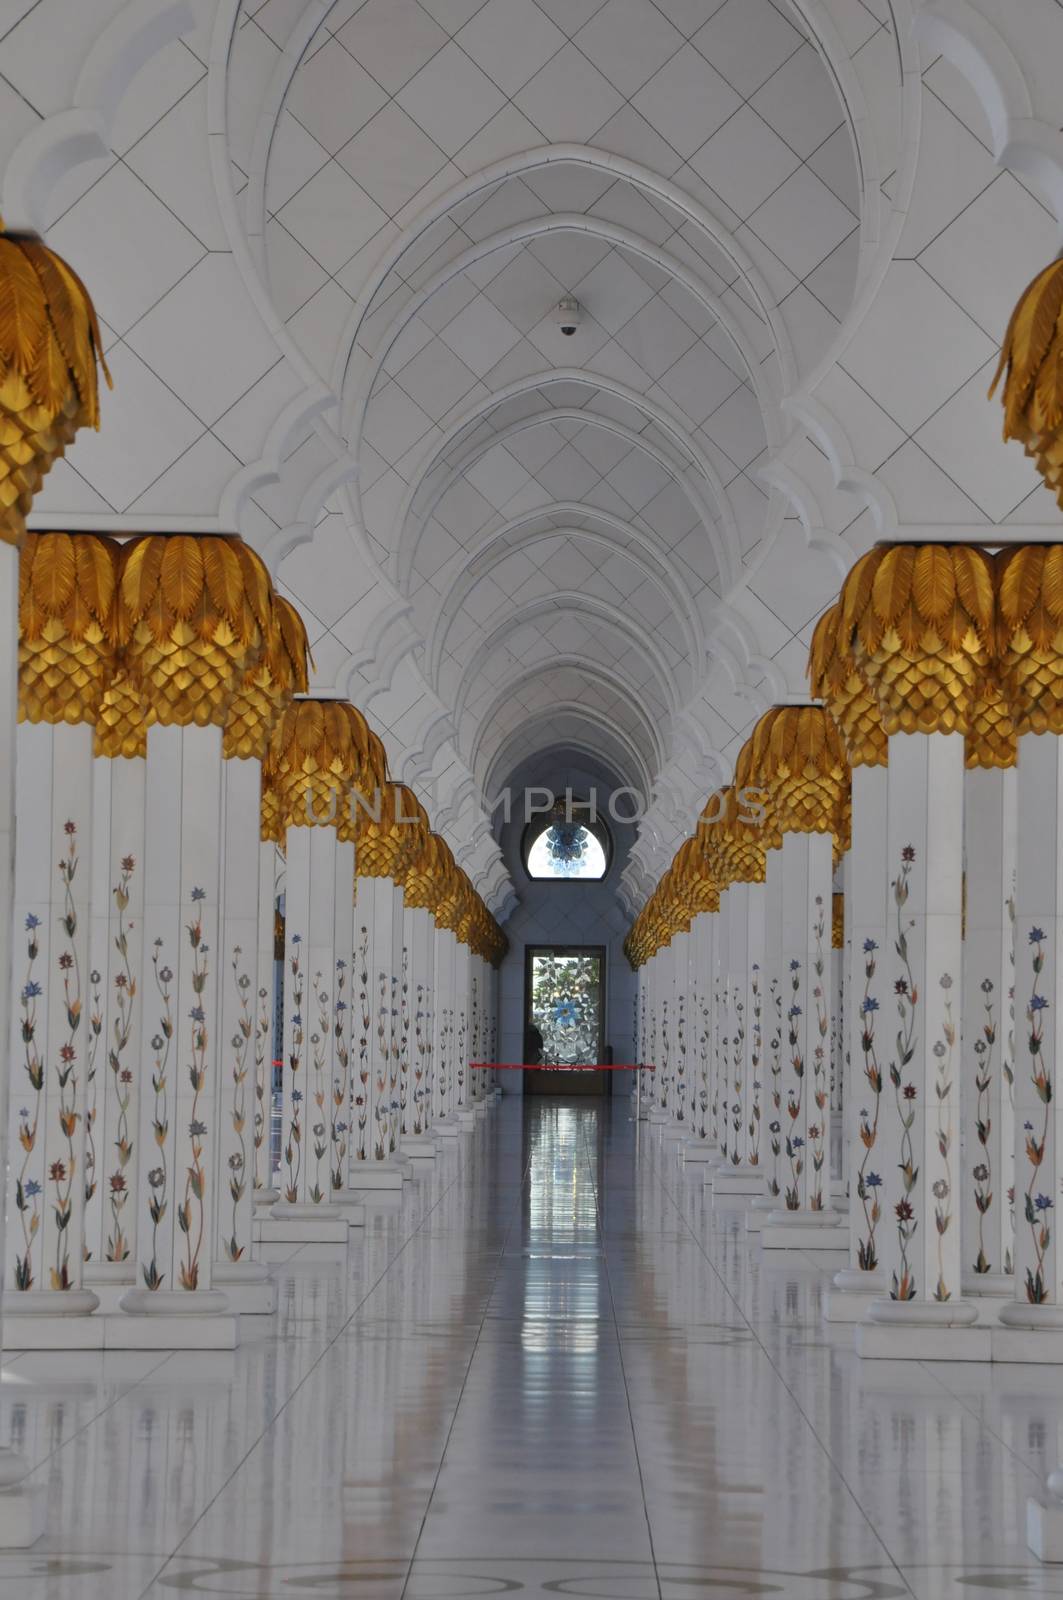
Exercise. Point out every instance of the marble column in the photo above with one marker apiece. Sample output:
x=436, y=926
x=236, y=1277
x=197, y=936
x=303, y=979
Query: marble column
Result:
x=1038, y=1291
x=117, y=961
x=720, y=1042
x=51, y=1024
x=267, y=993
x=699, y=1145
x=806, y=1219
x=417, y=1140
x=444, y=1115
x=463, y=1105
x=317, y=933
x=772, y=1033
x=987, y=1110
x=743, y=1173
x=181, y=1066
x=870, y=1177
x=377, y=1163
x=22, y=1506
x=919, y=1240
x=680, y=1047
x=246, y=1281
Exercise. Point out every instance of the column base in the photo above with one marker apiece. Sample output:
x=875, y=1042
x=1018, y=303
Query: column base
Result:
x=986, y=1285
x=248, y=1287
x=466, y=1119
x=480, y=1108
x=875, y=1341
x=698, y=1150
x=658, y=1115
x=736, y=1180
x=674, y=1131
x=120, y=1330
x=1044, y=1528
x=352, y=1205
x=373, y=1175
x=418, y=1147
x=804, y=1230
x=446, y=1128
x=851, y=1295
x=44, y=1303
x=23, y=1512
x=109, y=1281
x=297, y=1224
x=265, y=1200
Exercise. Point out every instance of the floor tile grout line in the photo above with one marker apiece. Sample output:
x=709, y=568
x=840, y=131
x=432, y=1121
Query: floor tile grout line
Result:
x=164, y=1357
x=782, y=1380
x=623, y=1373
x=329, y=1345
x=464, y=1384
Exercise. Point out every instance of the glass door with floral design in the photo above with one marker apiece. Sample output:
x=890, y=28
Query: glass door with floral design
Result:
x=564, y=1007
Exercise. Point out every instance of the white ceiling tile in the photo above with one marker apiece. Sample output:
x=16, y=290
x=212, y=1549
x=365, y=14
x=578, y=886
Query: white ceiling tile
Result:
x=391, y=159
x=567, y=476
x=534, y=446
x=811, y=325
x=964, y=439
x=294, y=157
x=294, y=276
x=524, y=290
x=508, y=133
x=480, y=335
x=744, y=161
x=922, y=492
x=144, y=428
x=394, y=422
x=952, y=169
x=332, y=217
x=244, y=426
x=699, y=382
x=173, y=159
x=629, y=134
x=319, y=327
x=332, y=96
x=746, y=41
x=569, y=256
x=125, y=280
x=497, y=475
x=569, y=99
x=206, y=338
x=656, y=337
x=436, y=379
x=638, y=478
x=738, y=427
x=601, y=447
x=568, y=185
x=835, y=163
x=800, y=102
x=887, y=354
x=452, y=14
x=510, y=40
x=392, y=39
x=991, y=251
x=612, y=292
x=628, y=40
x=834, y=280
x=463, y=511
x=451, y=99
x=570, y=15
x=509, y=204
x=802, y=222
x=671, y=513
x=697, y=553
x=687, y=101
x=688, y=15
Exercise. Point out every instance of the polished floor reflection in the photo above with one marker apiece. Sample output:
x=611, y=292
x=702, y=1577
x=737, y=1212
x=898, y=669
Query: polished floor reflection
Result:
x=556, y=1370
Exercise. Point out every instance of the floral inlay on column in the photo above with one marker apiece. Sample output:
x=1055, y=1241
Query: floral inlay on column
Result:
x=753, y=1127
x=903, y=1286
x=1037, y=1205
x=320, y=1089
x=795, y=1144
x=240, y=1044
x=422, y=1044
x=123, y=1003
x=62, y=1173
x=159, y=1175
x=263, y=1098
x=95, y=1033
x=982, y=1171
x=681, y=1056
x=941, y=1188
x=293, y=1148
x=738, y=1059
x=341, y=1082
x=404, y=1034
x=361, y=1095
x=28, y=1187
x=191, y=1214
x=820, y=1086
x=775, y=1053
x=868, y=1182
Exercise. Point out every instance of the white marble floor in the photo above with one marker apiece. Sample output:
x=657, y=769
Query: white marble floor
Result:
x=556, y=1370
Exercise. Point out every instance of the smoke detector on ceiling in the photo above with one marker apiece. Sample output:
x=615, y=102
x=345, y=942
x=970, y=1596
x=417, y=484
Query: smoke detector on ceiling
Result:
x=568, y=314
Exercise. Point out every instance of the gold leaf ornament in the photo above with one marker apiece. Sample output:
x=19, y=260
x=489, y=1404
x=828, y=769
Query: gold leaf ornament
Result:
x=316, y=756
x=49, y=348
x=1030, y=635
x=68, y=628
x=835, y=679
x=1031, y=362
x=281, y=671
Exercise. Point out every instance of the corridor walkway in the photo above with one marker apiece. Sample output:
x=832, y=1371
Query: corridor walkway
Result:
x=556, y=1370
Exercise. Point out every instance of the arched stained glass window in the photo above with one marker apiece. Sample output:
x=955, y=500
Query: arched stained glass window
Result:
x=569, y=844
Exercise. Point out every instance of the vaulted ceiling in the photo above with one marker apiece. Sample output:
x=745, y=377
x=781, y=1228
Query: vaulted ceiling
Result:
x=327, y=241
